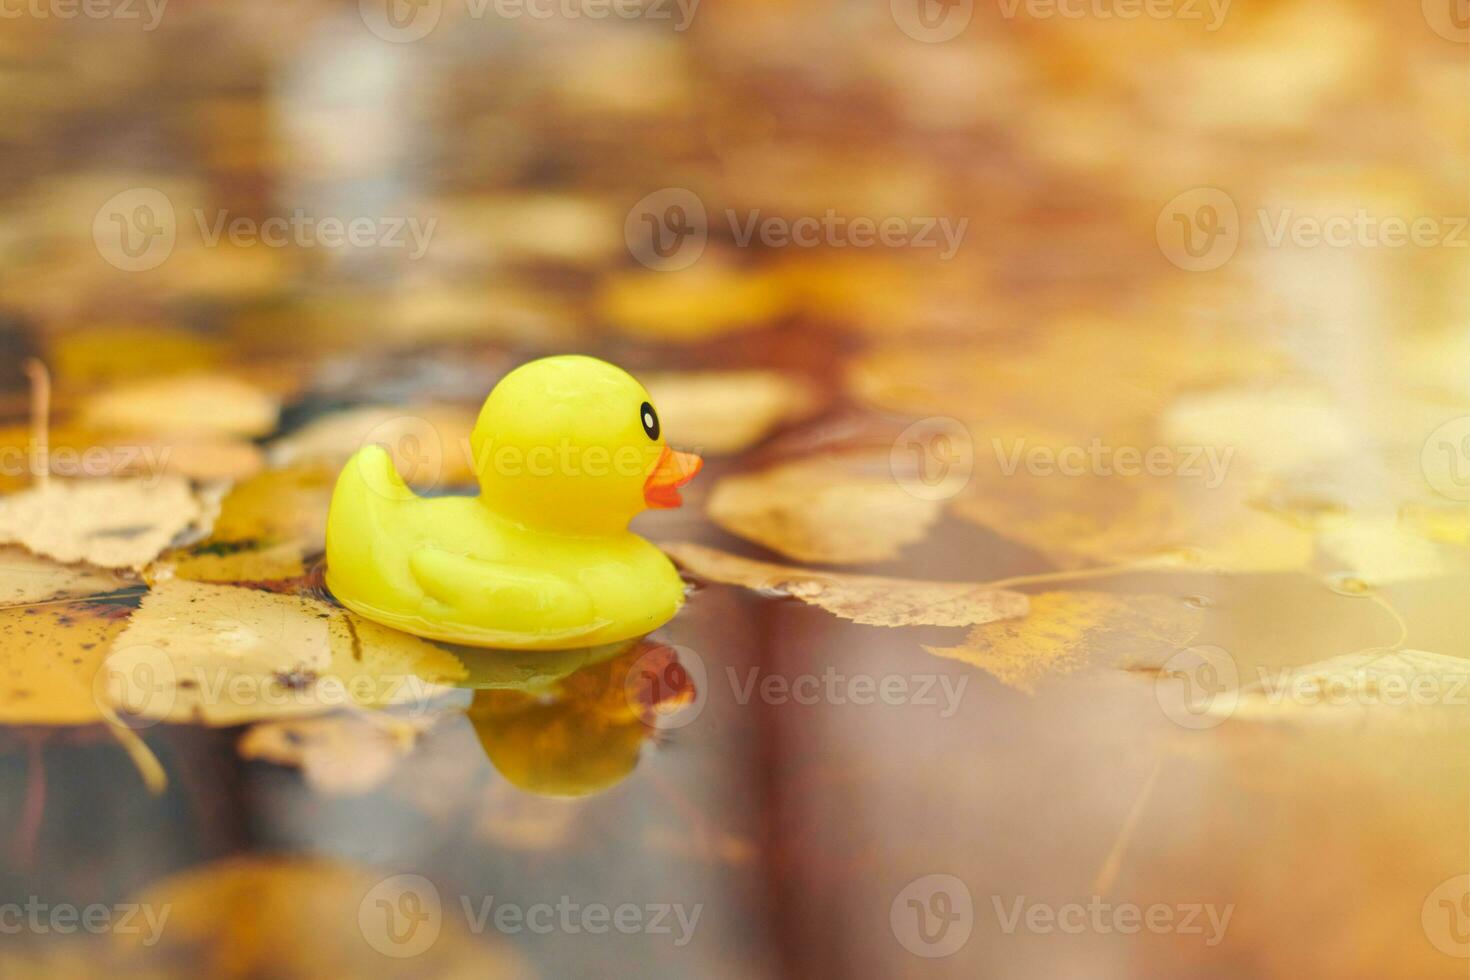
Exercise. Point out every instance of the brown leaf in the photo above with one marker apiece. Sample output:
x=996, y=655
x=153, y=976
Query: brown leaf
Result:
x=865, y=599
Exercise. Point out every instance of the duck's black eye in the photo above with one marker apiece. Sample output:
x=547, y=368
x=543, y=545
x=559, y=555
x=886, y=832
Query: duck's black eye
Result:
x=650, y=420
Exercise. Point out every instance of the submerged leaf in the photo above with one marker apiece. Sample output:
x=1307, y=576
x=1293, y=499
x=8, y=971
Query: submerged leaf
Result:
x=339, y=754
x=866, y=599
x=836, y=509
x=1066, y=631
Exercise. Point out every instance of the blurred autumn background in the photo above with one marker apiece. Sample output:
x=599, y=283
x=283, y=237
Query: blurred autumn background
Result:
x=1078, y=577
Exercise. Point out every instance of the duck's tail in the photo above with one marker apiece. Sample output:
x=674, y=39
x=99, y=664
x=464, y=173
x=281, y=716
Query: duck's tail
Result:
x=368, y=487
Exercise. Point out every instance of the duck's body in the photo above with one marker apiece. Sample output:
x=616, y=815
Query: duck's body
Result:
x=538, y=560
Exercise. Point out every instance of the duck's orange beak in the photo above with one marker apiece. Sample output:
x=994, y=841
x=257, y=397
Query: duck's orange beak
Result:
x=672, y=471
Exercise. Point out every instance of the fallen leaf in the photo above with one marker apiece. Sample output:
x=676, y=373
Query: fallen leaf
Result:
x=340, y=754
x=1416, y=689
x=429, y=443
x=27, y=579
x=111, y=523
x=221, y=655
x=837, y=509
x=1066, y=631
x=723, y=412
x=866, y=599
x=191, y=403
x=1382, y=549
x=106, y=353
x=49, y=658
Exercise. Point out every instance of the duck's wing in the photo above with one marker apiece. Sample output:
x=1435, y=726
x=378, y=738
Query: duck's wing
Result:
x=512, y=598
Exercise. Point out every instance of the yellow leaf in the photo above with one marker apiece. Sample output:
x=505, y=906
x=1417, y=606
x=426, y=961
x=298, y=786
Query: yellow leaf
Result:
x=221, y=655
x=839, y=509
x=25, y=579
x=1415, y=689
x=110, y=523
x=306, y=917
x=192, y=403
x=49, y=657
x=112, y=352
x=693, y=304
x=1066, y=631
x=866, y=599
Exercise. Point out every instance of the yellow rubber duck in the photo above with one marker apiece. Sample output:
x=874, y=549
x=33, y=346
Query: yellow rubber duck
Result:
x=567, y=450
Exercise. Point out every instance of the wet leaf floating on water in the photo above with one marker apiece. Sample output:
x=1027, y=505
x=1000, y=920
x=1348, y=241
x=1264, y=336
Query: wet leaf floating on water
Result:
x=111, y=523
x=1412, y=689
x=1067, y=631
x=429, y=442
x=339, y=754
x=192, y=403
x=723, y=412
x=49, y=657
x=222, y=655
x=265, y=527
x=835, y=509
x=866, y=599
x=304, y=917
x=109, y=353
x=26, y=579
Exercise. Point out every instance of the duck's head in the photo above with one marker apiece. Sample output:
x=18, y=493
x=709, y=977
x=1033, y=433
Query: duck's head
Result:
x=573, y=443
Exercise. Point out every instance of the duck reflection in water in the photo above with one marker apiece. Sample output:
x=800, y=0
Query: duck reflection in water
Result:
x=576, y=725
